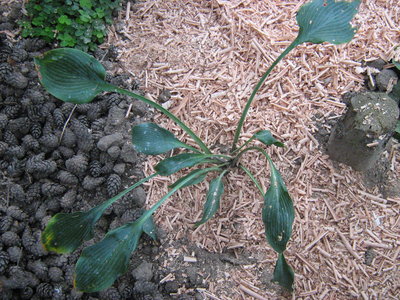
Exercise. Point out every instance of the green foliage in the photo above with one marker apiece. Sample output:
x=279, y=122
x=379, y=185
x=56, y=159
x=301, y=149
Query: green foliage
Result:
x=74, y=76
x=71, y=23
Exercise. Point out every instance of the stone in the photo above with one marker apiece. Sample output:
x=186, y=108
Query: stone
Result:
x=143, y=272
x=128, y=154
x=359, y=138
x=114, y=151
x=119, y=168
x=110, y=140
x=386, y=79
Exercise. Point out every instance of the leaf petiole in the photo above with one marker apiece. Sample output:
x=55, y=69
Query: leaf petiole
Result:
x=111, y=88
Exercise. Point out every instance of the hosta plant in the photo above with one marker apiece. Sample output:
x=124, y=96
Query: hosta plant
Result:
x=76, y=77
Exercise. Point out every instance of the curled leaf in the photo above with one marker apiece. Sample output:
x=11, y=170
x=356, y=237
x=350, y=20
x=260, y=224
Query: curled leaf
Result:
x=283, y=273
x=175, y=163
x=265, y=137
x=214, y=194
x=278, y=212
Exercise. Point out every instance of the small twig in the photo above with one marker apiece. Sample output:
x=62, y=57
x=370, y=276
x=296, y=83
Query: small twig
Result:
x=66, y=122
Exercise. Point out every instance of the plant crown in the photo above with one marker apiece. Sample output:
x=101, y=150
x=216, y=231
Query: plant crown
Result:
x=74, y=76
x=71, y=23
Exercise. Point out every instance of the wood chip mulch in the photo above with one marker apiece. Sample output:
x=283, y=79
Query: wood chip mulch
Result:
x=209, y=55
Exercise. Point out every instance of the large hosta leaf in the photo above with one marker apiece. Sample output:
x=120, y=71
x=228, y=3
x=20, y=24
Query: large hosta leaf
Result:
x=278, y=212
x=265, y=137
x=101, y=264
x=184, y=160
x=71, y=75
x=213, y=199
x=326, y=21
x=283, y=273
x=149, y=138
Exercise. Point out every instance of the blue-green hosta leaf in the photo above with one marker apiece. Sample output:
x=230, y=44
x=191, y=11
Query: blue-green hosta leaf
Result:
x=278, y=212
x=213, y=199
x=101, y=264
x=326, y=21
x=66, y=232
x=149, y=138
x=195, y=180
x=175, y=163
x=265, y=137
x=283, y=273
x=71, y=75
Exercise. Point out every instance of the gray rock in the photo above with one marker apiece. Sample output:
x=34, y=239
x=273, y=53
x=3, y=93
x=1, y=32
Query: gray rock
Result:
x=110, y=140
x=139, y=108
x=128, y=154
x=377, y=64
x=114, y=151
x=143, y=272
x=139, y=196
x=119, y=168
x=361, y=135
x=116, y=116
x=385, y=78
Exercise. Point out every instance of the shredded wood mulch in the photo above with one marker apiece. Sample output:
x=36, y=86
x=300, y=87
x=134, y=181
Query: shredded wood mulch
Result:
x=209, y=55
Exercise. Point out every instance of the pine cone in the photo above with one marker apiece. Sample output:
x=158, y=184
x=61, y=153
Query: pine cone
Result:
x=95, y=168
x=9, y=138
x=59, y=119
x=18, y=54
x=55, y=274
x=68, y=199
x=66, y=152
x=30, y=143
x=3, y=148
x=3, y=121
x=36, y=130
x=110, y=294
x=41, y=168
x=51, y=189
x=5, y=223
x=91, y=183
x=4, y=260
x=113, y=185
x=77, y=165
x=38, y=268
x=16, y=80
x=84, y=137
x=17, y=193
x=66, y=108
x=48, y=142
x=10, y=239
x=15, y=152
x=26, y=293
x=67, y=178
x=12, y=111
x=16, y=213
x=44, y=290
x=34, y=192
x=14, y=253
x=68, y=138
